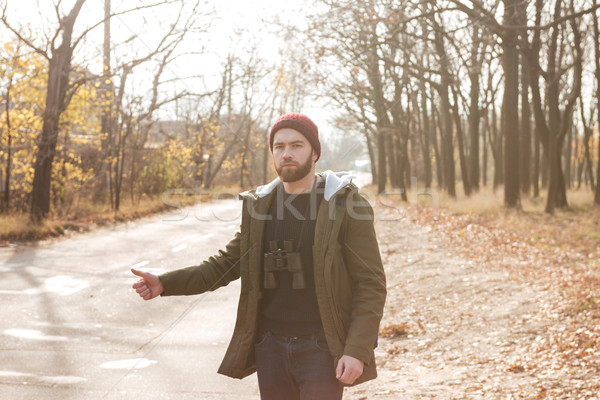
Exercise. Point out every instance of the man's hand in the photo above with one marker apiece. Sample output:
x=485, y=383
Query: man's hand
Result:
x=349, y=369
x=149, y=286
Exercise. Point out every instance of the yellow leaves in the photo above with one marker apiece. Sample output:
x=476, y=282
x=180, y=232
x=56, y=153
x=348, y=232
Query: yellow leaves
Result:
x=82, y=116
x=27, y=72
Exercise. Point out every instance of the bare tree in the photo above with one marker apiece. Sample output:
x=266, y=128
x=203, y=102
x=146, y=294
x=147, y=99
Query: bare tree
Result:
x=59, y=94
x=597, y=71
x=510, y=105
x=58, y=51
x=128, y=134
x=446, y=121
x=9, y=145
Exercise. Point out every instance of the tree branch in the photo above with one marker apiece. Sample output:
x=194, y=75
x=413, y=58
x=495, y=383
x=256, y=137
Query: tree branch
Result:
x=18, y=34
x=116, y=14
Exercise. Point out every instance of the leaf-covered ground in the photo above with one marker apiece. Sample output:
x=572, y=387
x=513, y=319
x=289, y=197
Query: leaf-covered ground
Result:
x=494, y=306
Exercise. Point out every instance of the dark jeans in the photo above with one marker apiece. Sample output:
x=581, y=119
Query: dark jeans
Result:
x=295, y=369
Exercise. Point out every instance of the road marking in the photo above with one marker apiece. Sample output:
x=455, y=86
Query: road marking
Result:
x=135, y=363
x=64, y=285
x=59, y=379
x=207, y=236
x=179, y=248
x=140, y=264
x=9, y=267
x=26, y=291
x=33, y=335
x=13, y=374
x=62, y=380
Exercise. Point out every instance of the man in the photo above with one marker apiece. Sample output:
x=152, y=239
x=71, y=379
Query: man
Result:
x=312, y=280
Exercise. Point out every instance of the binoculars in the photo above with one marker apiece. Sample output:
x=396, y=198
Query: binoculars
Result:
x=278, y=259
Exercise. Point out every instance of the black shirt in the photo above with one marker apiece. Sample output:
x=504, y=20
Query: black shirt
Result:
x=285, y=310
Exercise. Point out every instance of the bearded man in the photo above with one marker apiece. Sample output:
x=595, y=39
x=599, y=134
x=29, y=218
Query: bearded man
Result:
x=312, y=280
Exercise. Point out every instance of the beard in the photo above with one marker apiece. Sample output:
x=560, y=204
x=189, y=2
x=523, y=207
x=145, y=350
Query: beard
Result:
x=293, y=174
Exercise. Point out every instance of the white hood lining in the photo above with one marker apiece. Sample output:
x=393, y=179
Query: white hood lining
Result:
x=334, y=182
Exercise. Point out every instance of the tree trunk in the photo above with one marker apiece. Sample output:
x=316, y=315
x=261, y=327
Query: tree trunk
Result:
x=8, y=167
x=381, y=161
x=370, y=146
x=244, y=170
x=58, y=83
x=402, y=161
x=525, y=140
x=510, y=111
x=461, y=147
x=393, y=138
x=560, y=123
x=383, y=121
x=120, y=165
x=427, y=126
x=586, y=164
x=497, y=150
x=544, y=170
x=266, y=148
x=541, y=128
x=425, y=141
x=485, y=150
x=372, y=158
x=8, y=170
x=568, y=155
x=106, y=122
x=536, y=167
x=446, y=117
x=436, y=149
x=597, y=64
x=474, y=112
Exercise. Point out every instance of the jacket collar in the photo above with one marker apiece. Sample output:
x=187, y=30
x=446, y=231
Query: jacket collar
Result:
x=334, y=182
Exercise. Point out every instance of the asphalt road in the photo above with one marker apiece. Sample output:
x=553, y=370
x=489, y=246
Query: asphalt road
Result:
x=72, y=328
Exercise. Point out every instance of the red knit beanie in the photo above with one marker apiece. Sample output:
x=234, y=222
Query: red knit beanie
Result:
x=300, y=123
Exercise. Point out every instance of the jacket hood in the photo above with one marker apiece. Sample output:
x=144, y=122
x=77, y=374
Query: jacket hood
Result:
x=334, y=182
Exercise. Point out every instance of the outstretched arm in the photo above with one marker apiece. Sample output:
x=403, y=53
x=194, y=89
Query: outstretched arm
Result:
x=149, y=286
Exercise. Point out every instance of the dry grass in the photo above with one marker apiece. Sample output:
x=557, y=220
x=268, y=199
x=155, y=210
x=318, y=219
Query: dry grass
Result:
x=576, y=227
x=488, y=200
x=18, y=227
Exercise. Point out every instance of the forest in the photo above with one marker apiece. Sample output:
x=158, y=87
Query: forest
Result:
x=458, y=94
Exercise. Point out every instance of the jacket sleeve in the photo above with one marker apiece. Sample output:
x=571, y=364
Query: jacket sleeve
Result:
x=215, y=272
x=363, y=260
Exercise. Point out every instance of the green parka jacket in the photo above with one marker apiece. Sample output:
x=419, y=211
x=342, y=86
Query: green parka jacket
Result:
x=349, y=275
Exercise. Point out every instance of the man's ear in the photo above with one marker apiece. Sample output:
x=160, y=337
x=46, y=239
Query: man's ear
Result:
x=315, y=156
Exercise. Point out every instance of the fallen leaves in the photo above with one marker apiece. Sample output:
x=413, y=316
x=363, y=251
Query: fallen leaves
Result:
x=550, y=344
x=551, y=255
x=516, y=368
x=394, y=331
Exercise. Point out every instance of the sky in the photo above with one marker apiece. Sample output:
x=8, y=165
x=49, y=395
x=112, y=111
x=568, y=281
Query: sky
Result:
x=225, y=21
